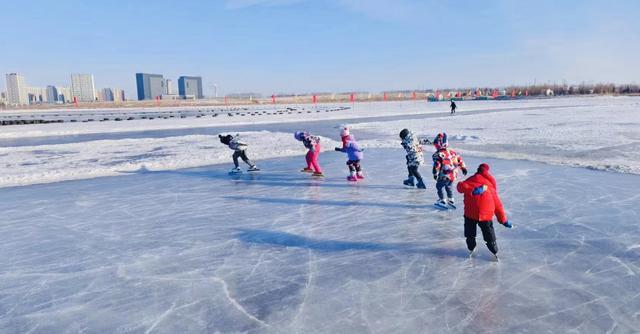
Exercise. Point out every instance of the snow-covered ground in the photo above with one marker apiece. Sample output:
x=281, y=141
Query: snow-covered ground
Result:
x=195, y=251
x=599, y=133
x=139, y=244
x=358, y=110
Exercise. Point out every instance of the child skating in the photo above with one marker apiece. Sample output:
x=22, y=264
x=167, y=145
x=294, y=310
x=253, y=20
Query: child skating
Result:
x=446, y=163
x=312, y=143
x=481, y=202
x=413, y=146
x=354, y=154
x=239, y=151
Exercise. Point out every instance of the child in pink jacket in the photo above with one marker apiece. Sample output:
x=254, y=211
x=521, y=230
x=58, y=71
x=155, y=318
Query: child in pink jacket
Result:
x=312, y=143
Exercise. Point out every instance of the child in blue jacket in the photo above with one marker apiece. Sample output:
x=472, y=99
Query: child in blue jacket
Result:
x=354, y=154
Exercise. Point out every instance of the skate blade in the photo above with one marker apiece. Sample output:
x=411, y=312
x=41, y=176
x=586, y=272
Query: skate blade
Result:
x=441, y=207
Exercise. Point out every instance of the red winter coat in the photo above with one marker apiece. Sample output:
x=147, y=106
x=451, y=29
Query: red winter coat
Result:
x=482, y=207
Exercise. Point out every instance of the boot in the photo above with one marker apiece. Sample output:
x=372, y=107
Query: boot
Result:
x=409, y=182
x=421, y=185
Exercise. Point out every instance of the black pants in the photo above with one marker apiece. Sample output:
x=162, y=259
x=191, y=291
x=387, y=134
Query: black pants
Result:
x=243, y=155
x=445, y=182
x=354, y=165
x=413, y=171
x=488, y=234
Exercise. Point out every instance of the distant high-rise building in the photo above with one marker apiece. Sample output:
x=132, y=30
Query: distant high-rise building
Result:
x=107, y=95
x=118, y=95
x=190, y=86
x=64, y=94
x=37, y=94
x=58, y=94
x=52, y=94
x=83, y=87
x=16, y=90
x=169, y=86
x=149, y=86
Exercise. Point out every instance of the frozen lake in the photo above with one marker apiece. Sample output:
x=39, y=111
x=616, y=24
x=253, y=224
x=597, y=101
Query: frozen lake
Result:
x=198, y=251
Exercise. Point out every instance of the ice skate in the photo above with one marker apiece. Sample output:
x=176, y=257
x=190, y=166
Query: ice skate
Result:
x=360, y=176
x=421, y=185
x=253, y=168
x=409, y=182
x=235, y=170
x=451, y=203
x=473, y=252
x=307, y=170
x=317, y=174
x=441, y=204
x=352, y=178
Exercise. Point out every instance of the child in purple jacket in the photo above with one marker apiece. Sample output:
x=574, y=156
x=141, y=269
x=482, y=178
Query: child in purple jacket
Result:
x=354, y=154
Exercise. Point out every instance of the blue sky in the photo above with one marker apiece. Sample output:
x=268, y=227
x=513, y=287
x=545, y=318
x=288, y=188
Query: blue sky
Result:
x=322, y=45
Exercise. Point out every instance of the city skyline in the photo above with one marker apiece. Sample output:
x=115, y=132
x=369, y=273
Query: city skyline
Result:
x=271, y=46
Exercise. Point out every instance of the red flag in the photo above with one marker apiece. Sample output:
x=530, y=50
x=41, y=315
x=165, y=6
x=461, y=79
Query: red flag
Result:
x=495, y=93
x=75, y=101
x=352, y=97
x=273, y=98
x=226, y=100
x=513, y=93
x=526, y=93
x=384, y=96
x=314, y=99
x=414, y=96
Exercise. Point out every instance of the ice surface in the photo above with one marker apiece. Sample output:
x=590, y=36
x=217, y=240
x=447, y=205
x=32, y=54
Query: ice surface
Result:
x=198, y=251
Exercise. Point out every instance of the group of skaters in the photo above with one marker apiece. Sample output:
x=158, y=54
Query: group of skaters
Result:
x=481, y=201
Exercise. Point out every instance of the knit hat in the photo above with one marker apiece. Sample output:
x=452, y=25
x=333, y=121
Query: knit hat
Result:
x=299, y=135
x=483, y=168
x=344, y=131
x=441, y=141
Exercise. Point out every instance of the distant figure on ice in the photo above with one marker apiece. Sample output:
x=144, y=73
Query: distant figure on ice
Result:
x=354, y=154
x=413, y=146
x=446, y=163
x=453, y=107
x=481, y=202
x=239, y=151
x=312, y=143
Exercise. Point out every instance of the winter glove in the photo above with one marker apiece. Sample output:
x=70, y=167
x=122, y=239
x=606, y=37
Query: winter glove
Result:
x=464, y=171
x=338, y=149
x=435, y=177
x=479, y=190
x=507, y=224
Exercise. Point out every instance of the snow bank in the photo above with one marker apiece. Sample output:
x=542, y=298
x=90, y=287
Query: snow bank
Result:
x=52, y=163
x=604, y=137
x=596, y=133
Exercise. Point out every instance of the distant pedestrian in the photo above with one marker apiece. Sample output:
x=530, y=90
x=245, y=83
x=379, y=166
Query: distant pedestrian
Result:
x=453, y=107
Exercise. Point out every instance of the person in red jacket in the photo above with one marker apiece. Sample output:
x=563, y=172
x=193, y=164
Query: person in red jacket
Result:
x=481, y=202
